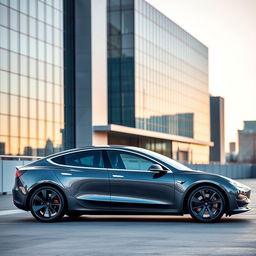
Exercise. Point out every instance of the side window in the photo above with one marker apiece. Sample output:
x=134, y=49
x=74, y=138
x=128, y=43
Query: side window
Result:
x=115, y=159
x=90, y=158
x=129, y=161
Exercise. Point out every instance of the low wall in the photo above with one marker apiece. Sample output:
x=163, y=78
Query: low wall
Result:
x=235, y=171
x=254, y=171
x=7, y=173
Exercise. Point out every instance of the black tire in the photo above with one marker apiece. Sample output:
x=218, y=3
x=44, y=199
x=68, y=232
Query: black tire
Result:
x=206, y=204
x=47, y=204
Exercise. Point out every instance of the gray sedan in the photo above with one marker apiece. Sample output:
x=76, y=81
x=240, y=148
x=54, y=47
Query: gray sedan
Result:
x=123, y=180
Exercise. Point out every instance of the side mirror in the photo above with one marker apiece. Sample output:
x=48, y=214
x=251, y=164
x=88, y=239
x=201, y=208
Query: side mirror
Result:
x=156, y=168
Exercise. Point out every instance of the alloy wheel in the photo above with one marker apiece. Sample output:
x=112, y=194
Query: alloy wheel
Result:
x=47, y=204
x=206, y=204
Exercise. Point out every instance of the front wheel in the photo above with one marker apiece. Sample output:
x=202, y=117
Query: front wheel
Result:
x=206, y=204
x=47, y=204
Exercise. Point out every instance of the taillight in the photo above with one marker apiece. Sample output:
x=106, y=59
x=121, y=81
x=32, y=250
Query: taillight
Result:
x=19, y=173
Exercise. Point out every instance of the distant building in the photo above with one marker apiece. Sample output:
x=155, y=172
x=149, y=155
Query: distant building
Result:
x=28, y=151
x=231, y=156
x=247, y=142
x=2, y=148
x=232, y=147
x=217, y=152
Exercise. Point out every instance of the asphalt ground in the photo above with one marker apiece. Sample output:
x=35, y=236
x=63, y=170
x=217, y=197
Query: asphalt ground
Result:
x=21, y=234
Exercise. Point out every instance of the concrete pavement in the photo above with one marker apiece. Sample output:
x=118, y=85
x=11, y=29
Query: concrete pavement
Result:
x=21, y=234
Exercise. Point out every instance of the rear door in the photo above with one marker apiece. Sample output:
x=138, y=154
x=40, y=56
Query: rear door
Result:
x=85, y=177
x=134, y=187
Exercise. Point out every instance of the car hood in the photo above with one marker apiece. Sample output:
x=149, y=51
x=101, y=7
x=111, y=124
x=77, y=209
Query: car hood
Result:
x=205, y=174
x=218, y=177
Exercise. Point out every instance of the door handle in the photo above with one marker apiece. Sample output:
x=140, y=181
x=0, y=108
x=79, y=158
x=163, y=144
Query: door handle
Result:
x=117, y=176
x=66, y=173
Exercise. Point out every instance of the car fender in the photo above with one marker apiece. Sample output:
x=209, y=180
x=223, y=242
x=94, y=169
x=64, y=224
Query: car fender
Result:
x=182, y=191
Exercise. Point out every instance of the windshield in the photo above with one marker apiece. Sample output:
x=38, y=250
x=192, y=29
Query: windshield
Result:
x=167, y=160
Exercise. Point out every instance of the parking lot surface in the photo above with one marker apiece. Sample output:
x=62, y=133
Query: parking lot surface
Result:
x=21, y=234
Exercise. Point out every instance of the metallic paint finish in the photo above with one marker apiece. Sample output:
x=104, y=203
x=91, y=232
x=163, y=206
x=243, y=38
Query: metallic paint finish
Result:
x=153, y=190
x=84, y=184
x=101, y=190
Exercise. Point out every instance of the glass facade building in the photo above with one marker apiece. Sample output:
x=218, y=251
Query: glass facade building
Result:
x=121, y=63
x=132, y=77
x=157, y=80
x=31, y=77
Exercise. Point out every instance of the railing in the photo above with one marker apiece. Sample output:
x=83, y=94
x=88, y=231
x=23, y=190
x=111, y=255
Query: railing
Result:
x=10, y=157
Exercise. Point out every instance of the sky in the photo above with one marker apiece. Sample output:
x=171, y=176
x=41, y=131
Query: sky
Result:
x=228, y=29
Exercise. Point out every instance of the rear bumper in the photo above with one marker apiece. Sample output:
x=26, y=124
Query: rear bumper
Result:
x=19, y=199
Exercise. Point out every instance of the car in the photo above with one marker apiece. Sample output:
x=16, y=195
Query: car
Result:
x=123, y=180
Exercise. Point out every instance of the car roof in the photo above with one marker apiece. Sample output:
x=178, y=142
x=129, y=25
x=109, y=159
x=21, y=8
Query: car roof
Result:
x=95, y=147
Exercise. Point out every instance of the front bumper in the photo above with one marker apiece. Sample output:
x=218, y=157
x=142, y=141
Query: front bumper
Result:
x=242, y=199
x=240, y=210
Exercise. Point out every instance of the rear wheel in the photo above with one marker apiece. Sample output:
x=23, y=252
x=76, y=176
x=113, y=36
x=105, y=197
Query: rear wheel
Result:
x=206, y=204
x=47, y=204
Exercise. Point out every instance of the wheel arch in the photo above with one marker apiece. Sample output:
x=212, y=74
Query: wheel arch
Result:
x=50, y=184
x=205, y=183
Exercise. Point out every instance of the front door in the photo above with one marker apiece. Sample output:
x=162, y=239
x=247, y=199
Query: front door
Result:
x=133, y=187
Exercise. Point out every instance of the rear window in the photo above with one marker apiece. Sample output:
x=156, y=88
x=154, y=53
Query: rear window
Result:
x=91, y=158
